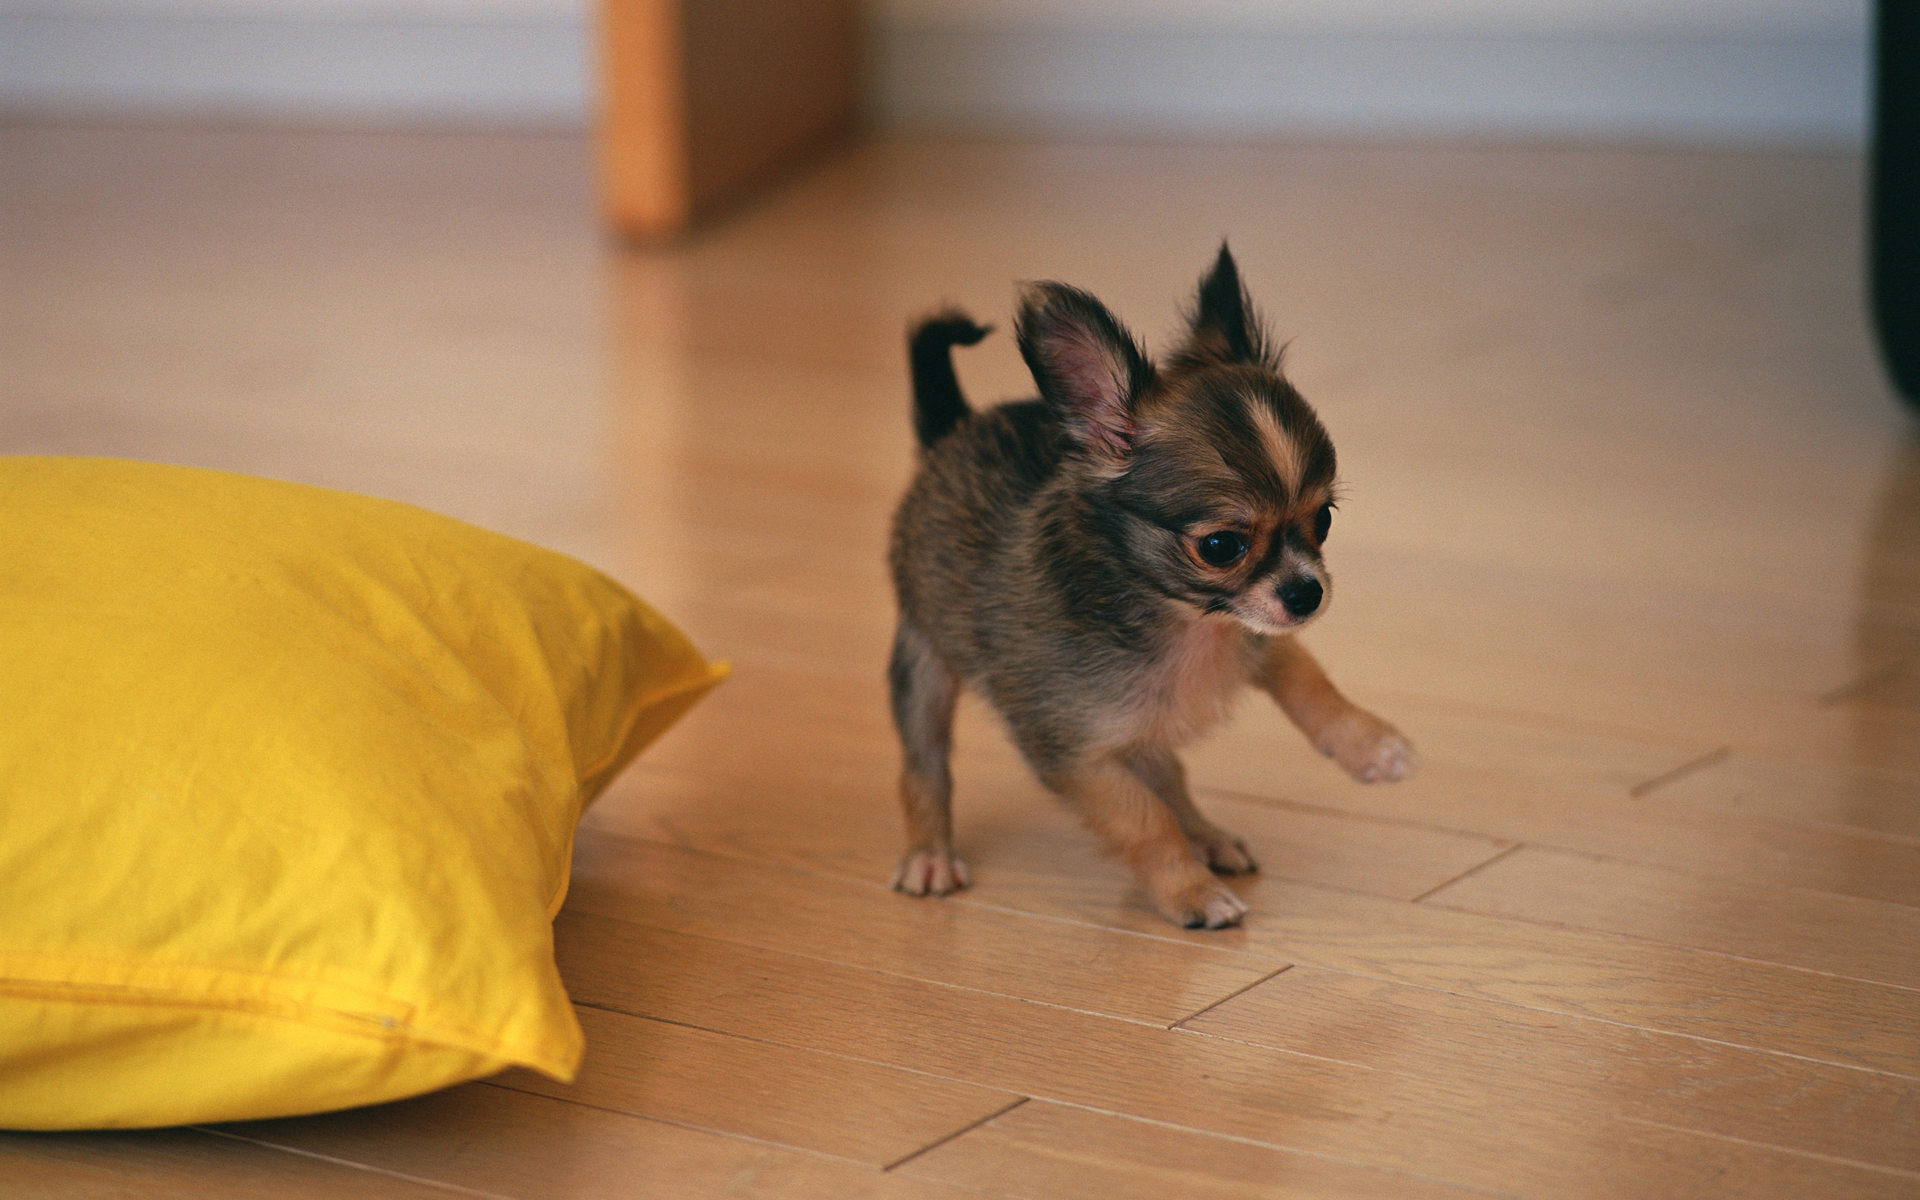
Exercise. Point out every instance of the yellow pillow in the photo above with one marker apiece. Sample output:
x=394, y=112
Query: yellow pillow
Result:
x=288, y=783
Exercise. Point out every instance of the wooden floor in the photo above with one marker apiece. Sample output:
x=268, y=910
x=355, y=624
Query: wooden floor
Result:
x=1631, y=548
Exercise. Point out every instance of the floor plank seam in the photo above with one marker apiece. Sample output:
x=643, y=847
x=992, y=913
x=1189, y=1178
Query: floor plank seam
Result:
x=1322, y=1156
x=1663, y=868
x=1235, y=994
x=1902, y=1172
x=1272, y=801
x=1573, y=1014
x=1294, y=959
x=1643, y=940
x=1345, y=814
x=1568, y=846
x=1063, y=1100
x=886, y=974
x=988, y=905
x=1349, y=1063
x=1876, y=835
x=1022, y=1095
x=1647, y=787
x=1469, y=872
x=349, y=1163
x=958, y=1133
x=967, y=898
x=1704, y=810
x=787, y=1147
x=674, y=841
x=1533, y=718
x=824, y=1053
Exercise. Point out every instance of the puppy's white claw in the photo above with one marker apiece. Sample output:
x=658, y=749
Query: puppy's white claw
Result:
x=930, y=873
x=1224, y=910
x=1393, y=760
x=1203, y=904
x=1388, y=760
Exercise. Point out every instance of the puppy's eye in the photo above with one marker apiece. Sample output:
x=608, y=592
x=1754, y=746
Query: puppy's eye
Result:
x=1222, y=549
x=1322, y=521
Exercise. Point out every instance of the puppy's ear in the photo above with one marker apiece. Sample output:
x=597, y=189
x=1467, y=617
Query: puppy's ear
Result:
x=1088, y=368
x=1223, y=328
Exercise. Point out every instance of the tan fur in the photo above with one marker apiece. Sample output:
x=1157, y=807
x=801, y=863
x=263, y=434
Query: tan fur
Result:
x=1191, y=689
x=1280, y=450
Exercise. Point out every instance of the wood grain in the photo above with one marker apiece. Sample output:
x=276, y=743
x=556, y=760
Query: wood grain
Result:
x=498, y=1141
x=1043, y=1151
x=784, y=1096
x=1448, y=1129
x=1048, y=1151
x=1723, y=840
x=866, y=925
x=1839, y=935
x=1841, y=795
x=1570, y=971
x=185, y=1162
x=1526, y=1053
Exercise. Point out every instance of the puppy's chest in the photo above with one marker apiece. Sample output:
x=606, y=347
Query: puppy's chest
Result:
x=1191, y=686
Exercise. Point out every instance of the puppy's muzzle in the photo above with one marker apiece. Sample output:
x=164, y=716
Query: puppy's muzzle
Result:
x=1301, y=596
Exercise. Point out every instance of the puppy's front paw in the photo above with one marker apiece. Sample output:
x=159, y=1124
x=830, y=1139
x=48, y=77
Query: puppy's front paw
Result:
x=930, y=873
x=1370, y=750
x=1203, y=903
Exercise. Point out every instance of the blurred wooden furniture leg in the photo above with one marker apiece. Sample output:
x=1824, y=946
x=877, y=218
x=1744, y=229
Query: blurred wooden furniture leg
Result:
x=703, y=99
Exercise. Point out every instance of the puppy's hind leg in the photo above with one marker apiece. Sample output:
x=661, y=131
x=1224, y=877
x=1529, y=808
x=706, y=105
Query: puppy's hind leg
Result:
x=1147, y=836
x=1166, y=778
x=923, y=691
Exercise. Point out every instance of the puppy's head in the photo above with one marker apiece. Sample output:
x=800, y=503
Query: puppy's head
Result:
x=1209, y=475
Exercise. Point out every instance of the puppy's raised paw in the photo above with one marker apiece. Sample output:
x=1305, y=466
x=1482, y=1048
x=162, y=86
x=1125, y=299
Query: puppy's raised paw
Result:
x=1201, y=904
x=930, y=873
x=1369, y=749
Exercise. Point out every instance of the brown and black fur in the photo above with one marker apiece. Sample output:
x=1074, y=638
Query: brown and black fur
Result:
x=1067, y=557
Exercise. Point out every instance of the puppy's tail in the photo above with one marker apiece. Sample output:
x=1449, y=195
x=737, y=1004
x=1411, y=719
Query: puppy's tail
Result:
x=937, y=403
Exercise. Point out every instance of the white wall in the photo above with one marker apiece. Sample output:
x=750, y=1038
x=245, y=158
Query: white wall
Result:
x=1722, y=70
x=519, y=61
x=1748, y=18
x=1726, y=70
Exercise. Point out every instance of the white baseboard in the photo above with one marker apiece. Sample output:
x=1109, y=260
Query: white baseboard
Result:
x=1253, y=83
x=522, y=70
x=1207, y=82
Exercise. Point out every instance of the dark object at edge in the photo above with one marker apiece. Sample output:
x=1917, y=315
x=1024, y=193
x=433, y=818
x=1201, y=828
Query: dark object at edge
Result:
x=1894, y=232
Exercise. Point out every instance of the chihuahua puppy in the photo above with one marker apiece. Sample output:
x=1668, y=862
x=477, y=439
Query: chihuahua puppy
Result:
x=1109, y=565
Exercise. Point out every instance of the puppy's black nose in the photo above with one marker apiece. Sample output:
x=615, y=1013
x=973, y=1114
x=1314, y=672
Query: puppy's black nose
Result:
x=1301, y=596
